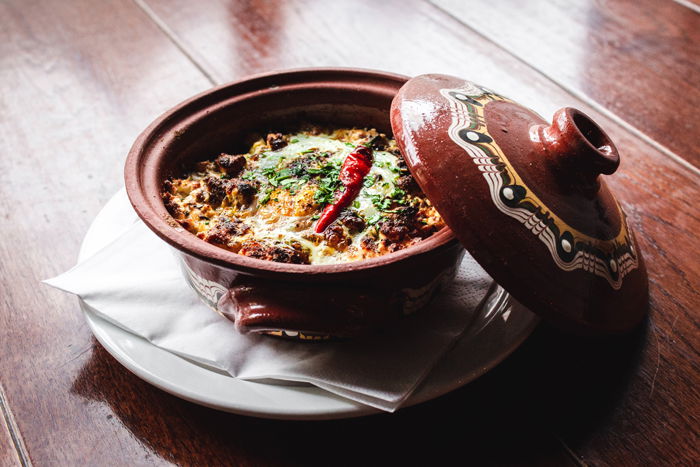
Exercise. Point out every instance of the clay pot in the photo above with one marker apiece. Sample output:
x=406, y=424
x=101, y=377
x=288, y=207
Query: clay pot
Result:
x=309, y=301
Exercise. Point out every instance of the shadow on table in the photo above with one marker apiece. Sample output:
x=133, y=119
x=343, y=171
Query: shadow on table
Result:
x=554, y=387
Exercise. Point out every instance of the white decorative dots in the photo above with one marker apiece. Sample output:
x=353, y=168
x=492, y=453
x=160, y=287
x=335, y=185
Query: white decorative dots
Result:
x=472, y=136
x=566, y=245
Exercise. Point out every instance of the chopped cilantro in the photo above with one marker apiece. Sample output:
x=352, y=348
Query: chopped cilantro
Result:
x=398, y=193
x=374, y=219
x=369, y=181
x=274, y=176
x=325, y=170
x=328, y=183
x=380, y=202
x=266, y=197
x=325, y=194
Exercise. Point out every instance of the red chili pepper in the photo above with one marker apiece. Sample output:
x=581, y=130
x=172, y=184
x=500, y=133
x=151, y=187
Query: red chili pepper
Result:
x=353, y=171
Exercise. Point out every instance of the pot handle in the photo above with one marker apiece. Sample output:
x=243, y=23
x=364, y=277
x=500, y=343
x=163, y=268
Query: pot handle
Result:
x=306, y=311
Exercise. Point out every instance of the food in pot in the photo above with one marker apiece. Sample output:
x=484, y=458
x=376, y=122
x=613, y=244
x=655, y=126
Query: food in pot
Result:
x=310, y=197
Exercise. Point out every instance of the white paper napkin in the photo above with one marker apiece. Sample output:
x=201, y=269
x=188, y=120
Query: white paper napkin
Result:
x=135, y=283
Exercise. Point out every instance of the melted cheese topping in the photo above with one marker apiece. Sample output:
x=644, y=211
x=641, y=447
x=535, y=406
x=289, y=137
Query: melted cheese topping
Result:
x=265, y=203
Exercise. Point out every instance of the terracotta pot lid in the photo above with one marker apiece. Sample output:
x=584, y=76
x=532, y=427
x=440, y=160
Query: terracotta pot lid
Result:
x=526, y=199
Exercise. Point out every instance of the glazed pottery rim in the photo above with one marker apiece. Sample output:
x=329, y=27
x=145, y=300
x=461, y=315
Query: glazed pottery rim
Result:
x=146, y=202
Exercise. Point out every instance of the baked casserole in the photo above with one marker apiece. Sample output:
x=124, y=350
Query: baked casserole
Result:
x=294, y=198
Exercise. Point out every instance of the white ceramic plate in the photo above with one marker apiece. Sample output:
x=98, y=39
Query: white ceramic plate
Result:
x=475, y=354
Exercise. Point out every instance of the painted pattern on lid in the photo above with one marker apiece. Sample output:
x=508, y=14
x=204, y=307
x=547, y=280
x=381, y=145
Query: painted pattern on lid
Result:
x=527, y=199
x=571, y=249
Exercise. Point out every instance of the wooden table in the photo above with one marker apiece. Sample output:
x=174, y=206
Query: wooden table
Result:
x=80, y=79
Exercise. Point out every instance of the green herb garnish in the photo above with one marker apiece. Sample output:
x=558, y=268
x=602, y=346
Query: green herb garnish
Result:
x=398, y=193
x=266, y=197
x=369, y=181
x=374, y=219
x=380, y=202
x=274, y=176
x=328, y=183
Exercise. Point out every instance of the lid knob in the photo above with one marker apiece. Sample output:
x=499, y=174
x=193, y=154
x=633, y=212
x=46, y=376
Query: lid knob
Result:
x=578, y=147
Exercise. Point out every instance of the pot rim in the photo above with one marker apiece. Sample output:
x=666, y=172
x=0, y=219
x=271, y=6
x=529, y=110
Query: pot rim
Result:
x=147, y=151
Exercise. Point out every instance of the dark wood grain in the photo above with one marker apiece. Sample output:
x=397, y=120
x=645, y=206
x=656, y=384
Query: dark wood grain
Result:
x=636, y=58
x=80, y=81
x=8, y=454
x=657, y=193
